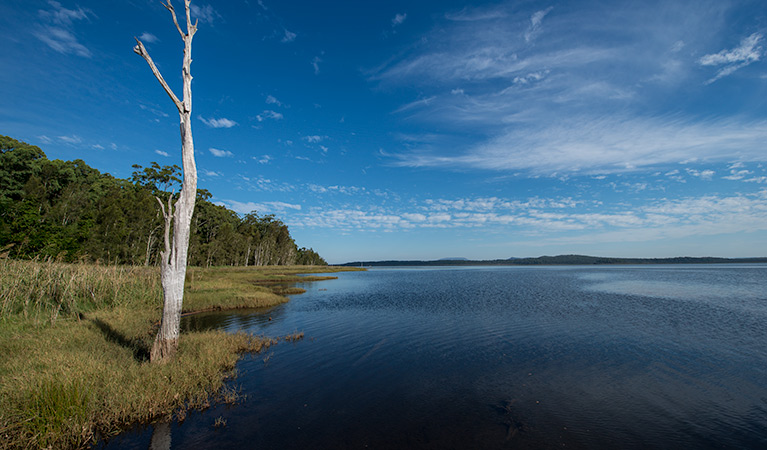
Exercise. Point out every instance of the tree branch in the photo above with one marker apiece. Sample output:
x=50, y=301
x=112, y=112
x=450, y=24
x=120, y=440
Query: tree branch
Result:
x=140, y=50
x=169, y=7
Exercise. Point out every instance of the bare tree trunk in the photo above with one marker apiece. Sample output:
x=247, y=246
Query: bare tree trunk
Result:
x=174, y=257
x=149, y=245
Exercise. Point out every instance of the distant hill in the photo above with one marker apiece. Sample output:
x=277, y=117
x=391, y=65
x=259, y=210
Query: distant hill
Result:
x=560, y=260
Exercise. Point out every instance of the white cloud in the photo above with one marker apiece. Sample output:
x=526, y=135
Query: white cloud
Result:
x=269, y=114
x=736, y=175
x=148, y=37
x=336, y=189
x=261, y=207
x=398, y=19
x=706, y=215
x=72, y=140
x=63, y=41
x=154, y=111
x=589, y=145
x=288, y=37
x=206, y=13
x=746, y=53
x=271, y=100
x=314, y=139
x=211, y=173
x=316, y=64
x=262, y=184
x=218, y=123
x=702, y=174
x=535, y=23
x=576, y=101
x=162, y=153
x=58, y=31
x=530, y=77
x=63, y=16
x=220, y=153
x=263, y=159
x=476, y=14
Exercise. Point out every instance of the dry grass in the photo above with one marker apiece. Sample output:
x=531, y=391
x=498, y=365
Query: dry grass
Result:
x=46, y=291
x=75, y=340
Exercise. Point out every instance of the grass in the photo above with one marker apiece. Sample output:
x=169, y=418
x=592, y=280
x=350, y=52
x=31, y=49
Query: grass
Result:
x=75, y=342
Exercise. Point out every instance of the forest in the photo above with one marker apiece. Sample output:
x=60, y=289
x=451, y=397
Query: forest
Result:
x=69, y=211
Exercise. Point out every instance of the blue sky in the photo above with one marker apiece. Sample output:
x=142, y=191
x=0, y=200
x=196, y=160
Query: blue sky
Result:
x=424, y=130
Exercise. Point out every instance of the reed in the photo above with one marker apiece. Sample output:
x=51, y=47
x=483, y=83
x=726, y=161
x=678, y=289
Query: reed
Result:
x=44, y=291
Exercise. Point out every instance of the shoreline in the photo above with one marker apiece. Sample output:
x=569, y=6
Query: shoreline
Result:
x=76, y=368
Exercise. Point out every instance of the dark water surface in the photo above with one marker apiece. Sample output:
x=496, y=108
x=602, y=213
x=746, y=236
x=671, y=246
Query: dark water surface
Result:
x=510, y=357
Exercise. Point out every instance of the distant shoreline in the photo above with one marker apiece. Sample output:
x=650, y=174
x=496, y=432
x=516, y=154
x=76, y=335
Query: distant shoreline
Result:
x=561, y=260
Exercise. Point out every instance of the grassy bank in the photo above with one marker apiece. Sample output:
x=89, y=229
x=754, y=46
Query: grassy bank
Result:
x=75, y=341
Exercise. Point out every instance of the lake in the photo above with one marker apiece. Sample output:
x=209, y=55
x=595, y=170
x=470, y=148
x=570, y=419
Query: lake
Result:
x=500, y=357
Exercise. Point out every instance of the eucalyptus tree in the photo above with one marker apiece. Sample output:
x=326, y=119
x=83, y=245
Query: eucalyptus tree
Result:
x=178, y=215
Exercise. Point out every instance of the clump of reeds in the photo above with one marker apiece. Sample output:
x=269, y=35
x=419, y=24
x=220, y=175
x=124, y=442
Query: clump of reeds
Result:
x=295, y=337
x=47, y=290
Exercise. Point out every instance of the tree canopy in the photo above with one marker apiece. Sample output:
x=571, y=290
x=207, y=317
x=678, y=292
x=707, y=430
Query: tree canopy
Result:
x=70, y=211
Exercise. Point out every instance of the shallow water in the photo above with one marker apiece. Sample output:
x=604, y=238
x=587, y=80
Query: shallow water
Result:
x=501, y=357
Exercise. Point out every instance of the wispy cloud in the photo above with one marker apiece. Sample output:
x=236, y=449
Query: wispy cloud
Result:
x=659, y=219
x=263, y=159
x=72, y=140
x=220, y=153
x=398, y=19
x=576, y=101
x=57, y=31
x=261, y=207
x=593, y=145
x=288, y=37
x=218, y=123
x=63, y=16
x=148, y=37
x=476, y=14
x=746, y=53
x=269, y=114
x=263, y=184
x=154, y=111
x=271, y=100
x=205, y=13
x=316, y=64
x=314, y=139
x=535, y=23
x=211, y=173
x=336, y=189
x=702, y=174
x=162, y=153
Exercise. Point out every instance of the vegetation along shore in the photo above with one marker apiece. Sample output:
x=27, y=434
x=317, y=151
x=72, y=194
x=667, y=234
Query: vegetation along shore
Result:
x=75, y=340
x=81, y=297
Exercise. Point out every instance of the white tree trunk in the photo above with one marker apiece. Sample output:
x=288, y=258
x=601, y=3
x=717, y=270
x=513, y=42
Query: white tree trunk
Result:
x=174, y=257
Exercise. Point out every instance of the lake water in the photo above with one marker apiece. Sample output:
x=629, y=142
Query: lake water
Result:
x=501, y=357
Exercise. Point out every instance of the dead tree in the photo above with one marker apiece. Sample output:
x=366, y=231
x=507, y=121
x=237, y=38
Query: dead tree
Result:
x=178, y=216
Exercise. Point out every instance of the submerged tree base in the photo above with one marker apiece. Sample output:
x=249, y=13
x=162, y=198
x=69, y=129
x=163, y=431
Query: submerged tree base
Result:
x=76, y=369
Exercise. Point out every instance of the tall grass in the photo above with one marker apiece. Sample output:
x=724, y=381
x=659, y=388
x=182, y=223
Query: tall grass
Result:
x=74, y=340
x=44, y=291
